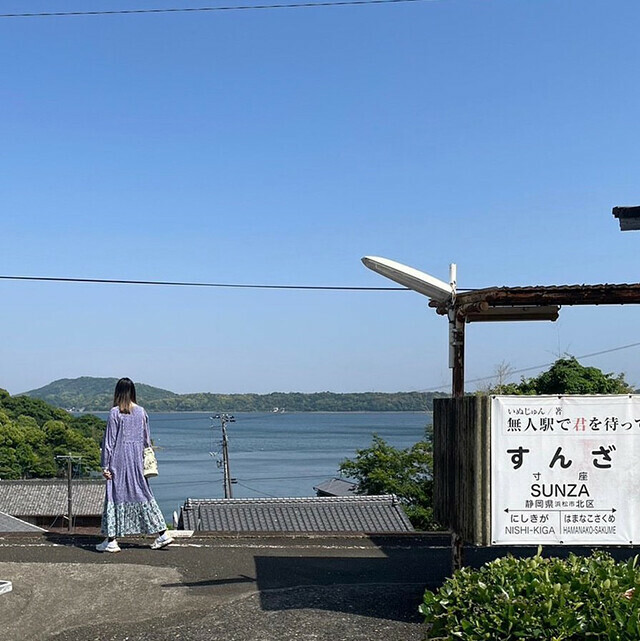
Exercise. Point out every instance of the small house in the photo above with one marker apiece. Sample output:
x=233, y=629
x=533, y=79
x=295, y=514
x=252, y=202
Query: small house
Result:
x=45, y=502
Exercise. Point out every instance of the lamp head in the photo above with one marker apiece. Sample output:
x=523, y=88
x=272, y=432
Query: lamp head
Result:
x=414, y=279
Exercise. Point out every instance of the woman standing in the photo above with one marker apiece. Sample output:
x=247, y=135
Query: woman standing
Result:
x=129, y=506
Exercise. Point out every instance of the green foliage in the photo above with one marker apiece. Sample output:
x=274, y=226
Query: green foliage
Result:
x=511, y=599
x=568, y=376
x=408, y=473
x=96, y=394
x=32, y=433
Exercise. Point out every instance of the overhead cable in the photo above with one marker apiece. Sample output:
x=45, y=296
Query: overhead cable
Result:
x=532, y=368
x=114, y=281
x=250, y=7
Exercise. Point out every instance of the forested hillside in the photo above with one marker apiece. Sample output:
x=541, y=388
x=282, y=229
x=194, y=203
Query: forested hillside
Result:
x=96, y=394
x=32, y=433
x=92, y=394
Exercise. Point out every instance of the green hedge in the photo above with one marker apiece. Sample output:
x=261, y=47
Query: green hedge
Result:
x=578, y=598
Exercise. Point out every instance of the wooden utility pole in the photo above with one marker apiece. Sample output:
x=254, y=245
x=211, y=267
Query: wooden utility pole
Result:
x=226, y=468
x=225, y=458
x=70, y=459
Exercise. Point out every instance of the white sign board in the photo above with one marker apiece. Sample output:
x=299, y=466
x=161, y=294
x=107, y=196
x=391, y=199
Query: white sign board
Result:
x=565, y=470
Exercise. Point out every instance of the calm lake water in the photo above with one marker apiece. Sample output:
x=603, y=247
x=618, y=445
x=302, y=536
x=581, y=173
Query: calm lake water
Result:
x=281, y=455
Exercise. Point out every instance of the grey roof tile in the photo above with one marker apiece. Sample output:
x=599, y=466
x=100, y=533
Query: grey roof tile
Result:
x=337, y=487
x=48, y=497
x=10, y=523
x=365, y=514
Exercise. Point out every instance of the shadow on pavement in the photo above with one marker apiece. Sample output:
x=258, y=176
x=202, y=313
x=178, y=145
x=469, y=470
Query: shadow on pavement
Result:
x=389, y=583
x=210, y=583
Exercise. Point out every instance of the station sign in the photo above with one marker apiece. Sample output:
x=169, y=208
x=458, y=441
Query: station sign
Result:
x=565, y=470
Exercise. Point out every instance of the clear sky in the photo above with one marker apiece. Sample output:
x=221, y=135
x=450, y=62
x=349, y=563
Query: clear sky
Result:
x=280, y=147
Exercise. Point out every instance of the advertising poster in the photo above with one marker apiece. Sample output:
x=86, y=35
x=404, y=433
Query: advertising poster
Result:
x=564, y=470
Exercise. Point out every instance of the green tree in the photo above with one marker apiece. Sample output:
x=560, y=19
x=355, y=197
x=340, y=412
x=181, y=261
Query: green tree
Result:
x=408, y=473
x=32, y=433
x=568, y=376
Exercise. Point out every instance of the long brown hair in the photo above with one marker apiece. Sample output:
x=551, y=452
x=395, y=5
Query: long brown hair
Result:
x=125, y=395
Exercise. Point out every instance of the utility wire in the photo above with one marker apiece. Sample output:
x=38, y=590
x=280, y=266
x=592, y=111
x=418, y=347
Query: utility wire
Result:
x=282, y=478
x=533, y=367
x=250, y=7
x=114, y=281
x=253, y=489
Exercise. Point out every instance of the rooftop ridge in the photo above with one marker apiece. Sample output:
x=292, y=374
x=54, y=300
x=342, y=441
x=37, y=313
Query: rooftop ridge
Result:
x=365, y=498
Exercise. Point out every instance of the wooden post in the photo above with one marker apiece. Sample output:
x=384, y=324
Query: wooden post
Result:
x=457, y=323
x=461, y=470
x=70, y=492
x=225, y=459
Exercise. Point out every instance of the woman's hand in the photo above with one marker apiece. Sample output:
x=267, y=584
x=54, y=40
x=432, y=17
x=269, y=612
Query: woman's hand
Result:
x=106, y=474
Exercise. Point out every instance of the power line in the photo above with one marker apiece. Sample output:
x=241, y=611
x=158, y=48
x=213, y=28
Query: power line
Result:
x=253, y=489
x=282, y=478
x=250, y=7
x=170, y=283
x=535, y=367
x=218, y=476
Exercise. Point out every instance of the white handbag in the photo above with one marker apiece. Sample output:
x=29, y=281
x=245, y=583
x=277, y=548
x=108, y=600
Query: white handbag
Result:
x=150, y=463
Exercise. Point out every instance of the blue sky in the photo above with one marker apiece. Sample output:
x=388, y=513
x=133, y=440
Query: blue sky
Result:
x=280, y=147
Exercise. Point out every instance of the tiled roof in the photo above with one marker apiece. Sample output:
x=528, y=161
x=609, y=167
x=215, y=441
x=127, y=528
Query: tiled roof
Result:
x=11, y=524
x=364, y=514
x=48, y=497
x=337, y=487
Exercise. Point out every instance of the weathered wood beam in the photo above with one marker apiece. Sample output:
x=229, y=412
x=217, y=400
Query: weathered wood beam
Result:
x=628, y=217
x=554, y=295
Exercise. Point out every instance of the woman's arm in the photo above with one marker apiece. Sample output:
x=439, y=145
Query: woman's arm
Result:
x=147, y=432
x=108, y=443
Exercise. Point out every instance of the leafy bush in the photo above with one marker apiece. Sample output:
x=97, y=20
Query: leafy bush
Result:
x=578, y=598
x=408, y=473
x=567, y=376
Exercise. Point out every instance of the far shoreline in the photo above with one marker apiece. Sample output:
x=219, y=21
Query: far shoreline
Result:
x=262, y=411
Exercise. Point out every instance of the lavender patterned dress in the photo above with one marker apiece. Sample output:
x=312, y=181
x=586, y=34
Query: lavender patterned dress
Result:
x=129, y=506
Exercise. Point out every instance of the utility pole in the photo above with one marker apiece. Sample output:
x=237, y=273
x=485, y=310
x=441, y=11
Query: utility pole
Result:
x=70, y=459
x=224, y=419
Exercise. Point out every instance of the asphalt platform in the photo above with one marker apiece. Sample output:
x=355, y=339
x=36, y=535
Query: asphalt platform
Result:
x=266, y=588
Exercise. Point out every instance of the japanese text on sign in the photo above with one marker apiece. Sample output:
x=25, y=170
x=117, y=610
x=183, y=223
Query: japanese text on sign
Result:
x=563, y=469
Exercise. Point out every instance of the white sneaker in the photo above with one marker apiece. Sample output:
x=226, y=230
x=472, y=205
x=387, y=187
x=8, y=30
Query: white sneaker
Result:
x=108, y=546
x=162, y=542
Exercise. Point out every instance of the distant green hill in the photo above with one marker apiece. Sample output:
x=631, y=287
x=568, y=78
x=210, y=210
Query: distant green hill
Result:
x=96, y=394
x=92, y=394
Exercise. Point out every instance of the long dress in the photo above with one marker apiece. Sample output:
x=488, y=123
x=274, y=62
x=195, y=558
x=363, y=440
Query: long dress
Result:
x=129, y=505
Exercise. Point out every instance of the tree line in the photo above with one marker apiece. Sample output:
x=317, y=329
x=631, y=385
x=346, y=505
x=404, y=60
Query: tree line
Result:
x=95, y=395
x=297, y=402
